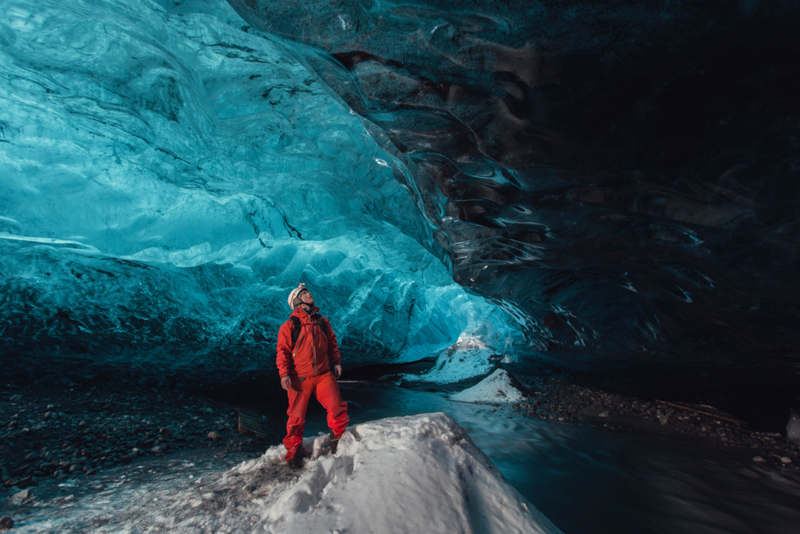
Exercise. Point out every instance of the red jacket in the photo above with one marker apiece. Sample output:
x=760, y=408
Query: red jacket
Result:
x=316, y=349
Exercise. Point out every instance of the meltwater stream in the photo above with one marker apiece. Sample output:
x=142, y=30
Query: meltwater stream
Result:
x=593, y=481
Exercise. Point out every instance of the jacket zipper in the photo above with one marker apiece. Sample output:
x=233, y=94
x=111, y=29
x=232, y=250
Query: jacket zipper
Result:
x=313, y=344
x=297, y=343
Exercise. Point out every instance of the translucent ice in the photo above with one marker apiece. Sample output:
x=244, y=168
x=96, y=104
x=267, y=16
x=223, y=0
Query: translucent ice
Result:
x=168, y=177
x=631, y=199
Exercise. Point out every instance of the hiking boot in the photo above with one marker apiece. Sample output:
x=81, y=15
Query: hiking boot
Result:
x=335, y=442
x=296, y=461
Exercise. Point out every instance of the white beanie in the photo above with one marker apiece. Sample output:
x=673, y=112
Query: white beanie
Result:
x=293, y=295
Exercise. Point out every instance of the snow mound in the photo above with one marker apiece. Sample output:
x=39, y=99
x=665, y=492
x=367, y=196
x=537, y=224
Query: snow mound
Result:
x=467, y=358
x=405, y=474
x=497, y=387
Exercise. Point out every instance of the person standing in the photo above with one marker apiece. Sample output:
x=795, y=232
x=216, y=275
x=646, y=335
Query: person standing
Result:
x=309, y=364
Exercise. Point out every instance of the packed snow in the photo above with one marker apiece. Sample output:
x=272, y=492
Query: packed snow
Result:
x=498, y=387
x=405, y=474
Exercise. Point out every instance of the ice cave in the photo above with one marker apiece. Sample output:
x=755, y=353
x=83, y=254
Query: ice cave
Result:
x=556, y=230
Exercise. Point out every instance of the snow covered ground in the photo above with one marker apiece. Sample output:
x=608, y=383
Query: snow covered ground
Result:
x=405, y=474
x=495, y=388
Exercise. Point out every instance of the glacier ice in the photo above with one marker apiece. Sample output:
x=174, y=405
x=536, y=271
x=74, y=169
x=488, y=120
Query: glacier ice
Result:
x=168, y=177
x=626, y=189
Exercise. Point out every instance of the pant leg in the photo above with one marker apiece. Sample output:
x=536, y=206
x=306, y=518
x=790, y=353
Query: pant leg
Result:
x=299, y=394
x=330, y=397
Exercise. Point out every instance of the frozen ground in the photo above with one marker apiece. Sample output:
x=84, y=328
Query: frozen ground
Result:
x=406, y=474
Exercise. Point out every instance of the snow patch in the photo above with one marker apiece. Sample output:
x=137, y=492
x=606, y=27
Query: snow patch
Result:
x=497, y=387
x=467, y=358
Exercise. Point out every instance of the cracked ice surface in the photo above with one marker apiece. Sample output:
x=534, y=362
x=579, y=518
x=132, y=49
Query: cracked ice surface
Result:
x=168, y=177
x=440, y=483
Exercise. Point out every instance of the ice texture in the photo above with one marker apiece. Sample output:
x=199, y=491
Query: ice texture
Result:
x=616, y=199
x=611, y=173
x=168, y=177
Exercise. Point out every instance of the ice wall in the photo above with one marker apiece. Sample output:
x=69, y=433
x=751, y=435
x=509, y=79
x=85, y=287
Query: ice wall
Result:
x=168, y=178
x=624, y=173
x=618, y=180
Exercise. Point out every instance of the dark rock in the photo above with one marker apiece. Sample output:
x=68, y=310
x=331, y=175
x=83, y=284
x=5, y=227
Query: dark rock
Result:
x=6, y=523
x=26, y=482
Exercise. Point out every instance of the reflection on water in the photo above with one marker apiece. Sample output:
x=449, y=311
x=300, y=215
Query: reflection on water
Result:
x=587, y=480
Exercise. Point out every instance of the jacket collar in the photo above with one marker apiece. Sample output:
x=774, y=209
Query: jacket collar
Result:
x=301, y=314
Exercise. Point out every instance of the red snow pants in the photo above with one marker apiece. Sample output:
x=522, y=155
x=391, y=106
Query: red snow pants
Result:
x=326, y=389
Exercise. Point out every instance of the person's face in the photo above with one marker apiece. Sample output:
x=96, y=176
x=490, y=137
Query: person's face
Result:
x=306, y=297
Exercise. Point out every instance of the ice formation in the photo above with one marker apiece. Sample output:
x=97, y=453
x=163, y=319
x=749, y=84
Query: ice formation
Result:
x=622, y=208
x=169, y=176
x=622, y=187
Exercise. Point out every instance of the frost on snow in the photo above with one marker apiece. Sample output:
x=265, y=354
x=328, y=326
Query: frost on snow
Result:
x=406, y=474
x=497, y=387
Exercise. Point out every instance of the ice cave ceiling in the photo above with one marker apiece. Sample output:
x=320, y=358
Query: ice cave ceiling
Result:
x=614, y=187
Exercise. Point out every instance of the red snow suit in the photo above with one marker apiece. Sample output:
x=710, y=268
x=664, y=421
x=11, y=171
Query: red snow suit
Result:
x=308, y=363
